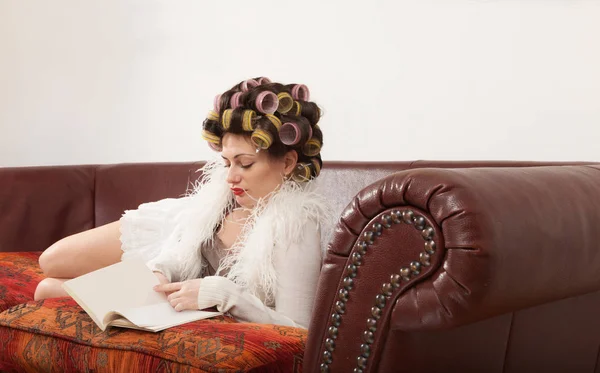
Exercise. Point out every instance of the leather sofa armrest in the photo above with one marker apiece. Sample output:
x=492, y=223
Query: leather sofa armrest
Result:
x=429, y=249
x=40, y=205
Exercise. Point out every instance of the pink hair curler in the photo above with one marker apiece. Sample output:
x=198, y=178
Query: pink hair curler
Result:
x=310, y=132
x=217, y=103
x=248, y=84
x=264, y=80
x=235, y=100
x=289, y=133
x=214, y=147
x=267, y=102
x=300, y=92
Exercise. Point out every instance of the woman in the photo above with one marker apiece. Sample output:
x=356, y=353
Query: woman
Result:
x=247, y=239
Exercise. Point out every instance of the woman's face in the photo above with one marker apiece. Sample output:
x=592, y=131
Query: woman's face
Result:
x=253, y=175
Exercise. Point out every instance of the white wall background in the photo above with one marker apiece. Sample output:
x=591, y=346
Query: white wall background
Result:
x=131, y=80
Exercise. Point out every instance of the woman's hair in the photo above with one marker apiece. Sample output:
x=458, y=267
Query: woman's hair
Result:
x=276, y=117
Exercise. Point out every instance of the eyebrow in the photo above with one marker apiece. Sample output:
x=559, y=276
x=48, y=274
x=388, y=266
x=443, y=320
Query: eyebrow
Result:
x=238, y=155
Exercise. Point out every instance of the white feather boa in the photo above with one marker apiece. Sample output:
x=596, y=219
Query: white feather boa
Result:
x=276, y=222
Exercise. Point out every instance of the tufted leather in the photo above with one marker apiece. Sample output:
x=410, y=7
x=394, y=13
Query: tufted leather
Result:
x=506, y=239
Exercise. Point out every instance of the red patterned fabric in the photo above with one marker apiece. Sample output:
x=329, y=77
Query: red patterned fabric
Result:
x=56, y=335
x=19, y=275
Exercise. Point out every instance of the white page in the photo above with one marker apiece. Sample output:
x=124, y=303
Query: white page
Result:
x=124, y=285
x=163, y=315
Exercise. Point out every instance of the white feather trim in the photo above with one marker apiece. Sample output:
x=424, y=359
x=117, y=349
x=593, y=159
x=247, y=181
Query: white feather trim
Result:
x=276, y=222
x=208, y=203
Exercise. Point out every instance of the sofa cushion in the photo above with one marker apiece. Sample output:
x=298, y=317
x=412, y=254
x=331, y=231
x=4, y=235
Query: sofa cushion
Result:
x=19, y=275
x=56, y=335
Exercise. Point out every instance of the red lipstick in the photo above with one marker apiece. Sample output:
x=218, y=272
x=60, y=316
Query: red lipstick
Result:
x=238, y=191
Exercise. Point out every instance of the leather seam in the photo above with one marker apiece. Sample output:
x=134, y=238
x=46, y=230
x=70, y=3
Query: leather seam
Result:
x=591, y=168
x=360, y=211
x=508, y=339
x=597, y=360
x=347, y=226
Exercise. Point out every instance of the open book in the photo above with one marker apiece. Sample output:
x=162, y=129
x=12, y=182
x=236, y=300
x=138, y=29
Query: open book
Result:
x=122, y=295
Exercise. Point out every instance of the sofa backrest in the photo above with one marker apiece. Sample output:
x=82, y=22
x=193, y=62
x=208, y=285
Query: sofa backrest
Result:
x=125, y=186
x=39, y=205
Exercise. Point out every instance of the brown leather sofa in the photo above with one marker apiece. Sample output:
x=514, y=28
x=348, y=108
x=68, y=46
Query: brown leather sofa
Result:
x=431, y=266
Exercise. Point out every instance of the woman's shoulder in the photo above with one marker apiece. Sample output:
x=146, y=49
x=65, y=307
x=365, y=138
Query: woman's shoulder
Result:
x=294, y=212
x=302, y=202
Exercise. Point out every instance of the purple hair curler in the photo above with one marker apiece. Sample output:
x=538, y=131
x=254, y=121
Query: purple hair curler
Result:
x=267, y=102
x=289, y=133
x=217, y=103
x=248, y=84
x=235, y=100
x=300, y=92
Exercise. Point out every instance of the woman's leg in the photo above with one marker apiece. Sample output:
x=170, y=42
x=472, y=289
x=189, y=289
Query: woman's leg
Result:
x=76, y=255
x=50, y=288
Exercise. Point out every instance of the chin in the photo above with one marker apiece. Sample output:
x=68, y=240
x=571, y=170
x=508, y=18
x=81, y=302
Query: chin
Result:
x=244, y=202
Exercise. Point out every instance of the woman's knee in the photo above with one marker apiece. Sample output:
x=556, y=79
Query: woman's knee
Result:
x=50, y=259
x=82, y=252
x=49, y=288
x=46, y=260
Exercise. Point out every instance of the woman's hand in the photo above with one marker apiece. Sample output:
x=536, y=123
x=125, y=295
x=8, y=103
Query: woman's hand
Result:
x=162, y=279
x=182, y=295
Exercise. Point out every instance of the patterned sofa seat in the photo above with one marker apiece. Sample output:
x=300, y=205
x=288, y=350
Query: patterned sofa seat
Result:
x=56, y=335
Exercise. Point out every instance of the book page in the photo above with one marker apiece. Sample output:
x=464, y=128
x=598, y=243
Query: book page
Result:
x=124, y=285
x=162, y=316
x=124, y=323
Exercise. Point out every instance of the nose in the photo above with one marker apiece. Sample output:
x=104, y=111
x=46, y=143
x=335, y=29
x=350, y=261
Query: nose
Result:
x=233, y=177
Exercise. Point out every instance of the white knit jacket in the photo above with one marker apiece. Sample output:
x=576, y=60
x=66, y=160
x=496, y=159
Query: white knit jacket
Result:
x=279, y=225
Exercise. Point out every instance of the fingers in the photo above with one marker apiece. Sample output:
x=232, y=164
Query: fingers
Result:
x=161, y=277
x=175, y=295
x=164, y=288
x=181, y=304
x=181, y=295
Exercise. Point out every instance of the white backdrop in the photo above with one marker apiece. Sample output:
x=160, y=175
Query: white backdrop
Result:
x=131, y=80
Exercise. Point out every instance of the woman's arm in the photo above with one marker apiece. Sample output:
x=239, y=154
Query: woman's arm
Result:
x=297, y=270
x=297, y=276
